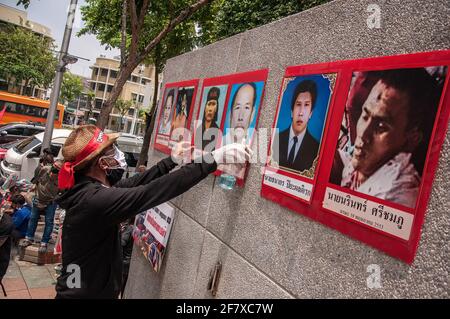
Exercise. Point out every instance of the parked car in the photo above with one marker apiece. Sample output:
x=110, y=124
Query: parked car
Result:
x=23, y=158
x=131, y=145
x=5, y=147
x=15, y=131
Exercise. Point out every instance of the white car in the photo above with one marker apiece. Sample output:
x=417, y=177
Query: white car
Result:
x=23, y=158
x=131, y=145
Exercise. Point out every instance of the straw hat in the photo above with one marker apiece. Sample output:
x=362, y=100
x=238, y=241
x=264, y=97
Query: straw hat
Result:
x=80, y=148
x=78, y=141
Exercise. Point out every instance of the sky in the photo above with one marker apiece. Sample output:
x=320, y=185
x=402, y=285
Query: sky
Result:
x=53, y=14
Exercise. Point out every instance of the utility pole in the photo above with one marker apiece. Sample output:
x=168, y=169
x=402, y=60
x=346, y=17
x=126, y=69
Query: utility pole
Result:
x=63, y=60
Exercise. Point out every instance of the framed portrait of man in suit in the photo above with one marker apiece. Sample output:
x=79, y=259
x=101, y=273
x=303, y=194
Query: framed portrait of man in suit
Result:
x=372, y=175
x=297, y=132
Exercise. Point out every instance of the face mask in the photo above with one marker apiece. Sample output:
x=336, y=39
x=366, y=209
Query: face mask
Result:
x=114, y=175
x=120, y=157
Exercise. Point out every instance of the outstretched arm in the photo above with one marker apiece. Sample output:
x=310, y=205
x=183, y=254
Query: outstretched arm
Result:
x=117, y=204
x=161, y=168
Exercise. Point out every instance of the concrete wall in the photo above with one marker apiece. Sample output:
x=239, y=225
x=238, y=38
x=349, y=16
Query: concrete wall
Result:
x=266, y=250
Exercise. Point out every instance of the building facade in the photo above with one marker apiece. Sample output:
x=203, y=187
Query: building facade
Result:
x=10, y=16
x=138, y=89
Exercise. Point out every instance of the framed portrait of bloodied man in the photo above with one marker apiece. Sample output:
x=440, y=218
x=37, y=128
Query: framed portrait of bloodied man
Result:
x=381, y=151
x=380, y=146
x=175, y=114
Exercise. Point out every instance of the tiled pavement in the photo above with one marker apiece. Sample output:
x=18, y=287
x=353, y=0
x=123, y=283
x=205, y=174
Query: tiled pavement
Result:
x=25, y=280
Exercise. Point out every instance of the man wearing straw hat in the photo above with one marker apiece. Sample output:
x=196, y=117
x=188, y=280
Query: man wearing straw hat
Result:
x=91, y=248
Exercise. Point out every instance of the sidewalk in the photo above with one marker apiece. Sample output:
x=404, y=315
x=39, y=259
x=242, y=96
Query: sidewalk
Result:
x=25, y=280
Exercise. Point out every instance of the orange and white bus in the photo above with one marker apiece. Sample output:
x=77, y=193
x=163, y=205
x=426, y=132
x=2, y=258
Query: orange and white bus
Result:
x=21, y=108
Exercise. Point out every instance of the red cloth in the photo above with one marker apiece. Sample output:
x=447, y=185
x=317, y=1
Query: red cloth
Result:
x=66, y=177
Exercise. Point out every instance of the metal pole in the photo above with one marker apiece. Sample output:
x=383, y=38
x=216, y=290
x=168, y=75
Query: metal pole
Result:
x=59, y=76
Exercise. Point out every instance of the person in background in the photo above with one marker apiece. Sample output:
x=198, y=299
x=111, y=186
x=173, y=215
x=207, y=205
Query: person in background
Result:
x=126, y=240
x=46, y=159
x=21, y=216
x=6, y=200
x=44, y=201
x=6, y=228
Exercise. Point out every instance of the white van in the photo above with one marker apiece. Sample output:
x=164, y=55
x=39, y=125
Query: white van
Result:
x=131, y=145
x=23, y=158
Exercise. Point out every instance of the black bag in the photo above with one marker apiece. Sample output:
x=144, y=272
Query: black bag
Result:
x=6, y=228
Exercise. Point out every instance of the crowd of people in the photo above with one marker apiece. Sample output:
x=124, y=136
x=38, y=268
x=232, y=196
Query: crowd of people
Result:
x=21, y=207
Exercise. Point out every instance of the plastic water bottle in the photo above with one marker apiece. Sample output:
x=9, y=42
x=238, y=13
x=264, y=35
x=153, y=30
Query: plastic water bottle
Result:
x=227, y=181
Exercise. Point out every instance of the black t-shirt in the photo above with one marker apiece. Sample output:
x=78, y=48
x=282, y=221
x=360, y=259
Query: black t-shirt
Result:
x=91, y=243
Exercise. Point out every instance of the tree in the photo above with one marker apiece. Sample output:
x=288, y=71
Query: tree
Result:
x=71, y=88
x=141, y=37
x=25, y=3
x=26, y=58
x=106, y=21
x=90, y=96
x=143, y=25
x=123, y=107
x=235, y=16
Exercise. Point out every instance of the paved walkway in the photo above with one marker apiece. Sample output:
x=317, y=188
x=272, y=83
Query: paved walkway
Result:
x=25, y=280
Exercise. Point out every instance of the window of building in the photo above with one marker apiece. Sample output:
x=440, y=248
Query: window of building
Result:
x=101, y=87
x=144, y=81
x=109, y=88
x=73, y=104
x=104, y=72
x=93, y=86
x=98, y=103
x=95, y=71
x=131, y=112
x=134, y=79
x=141, y=99
x=133, y=97
x=113, y=74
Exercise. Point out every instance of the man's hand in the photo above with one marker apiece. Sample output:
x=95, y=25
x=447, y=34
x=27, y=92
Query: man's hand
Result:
x=182, y=152
x=235, y=153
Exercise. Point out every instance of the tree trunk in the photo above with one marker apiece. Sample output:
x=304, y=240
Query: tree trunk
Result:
x=136, y=56
x=143, y=156
x=25, y=87
x=122, y=78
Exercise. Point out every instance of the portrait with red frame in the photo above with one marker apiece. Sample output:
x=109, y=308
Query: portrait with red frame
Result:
x=176, y=114
x=244, y=98
x=297, y=133
x=387, y=124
